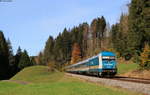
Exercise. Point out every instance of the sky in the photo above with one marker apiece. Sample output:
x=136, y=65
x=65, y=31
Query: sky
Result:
x=29, y=23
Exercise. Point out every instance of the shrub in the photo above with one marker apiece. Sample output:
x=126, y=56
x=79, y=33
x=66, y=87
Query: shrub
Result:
x=145, y=57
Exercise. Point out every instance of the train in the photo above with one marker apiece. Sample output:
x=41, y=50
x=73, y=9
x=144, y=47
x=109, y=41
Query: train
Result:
x=103, y=64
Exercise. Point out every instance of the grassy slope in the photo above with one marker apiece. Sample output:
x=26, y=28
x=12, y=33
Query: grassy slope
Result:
x=37, y=74
x=47, y=83
x=124, y=68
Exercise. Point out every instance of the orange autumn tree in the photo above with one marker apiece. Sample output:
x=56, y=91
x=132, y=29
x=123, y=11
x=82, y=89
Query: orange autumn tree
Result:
x=76, y=53
x=145, y=57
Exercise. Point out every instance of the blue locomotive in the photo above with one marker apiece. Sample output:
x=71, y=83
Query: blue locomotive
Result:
x=102, y=64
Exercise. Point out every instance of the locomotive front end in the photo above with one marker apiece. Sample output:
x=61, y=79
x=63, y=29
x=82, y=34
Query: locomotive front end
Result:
x=108, y=63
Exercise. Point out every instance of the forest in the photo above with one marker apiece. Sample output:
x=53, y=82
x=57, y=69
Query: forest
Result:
x=129, y=38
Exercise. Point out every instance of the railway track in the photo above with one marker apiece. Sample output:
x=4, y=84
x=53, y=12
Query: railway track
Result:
x=127, y=79
x=131, y=79
x=134, y=84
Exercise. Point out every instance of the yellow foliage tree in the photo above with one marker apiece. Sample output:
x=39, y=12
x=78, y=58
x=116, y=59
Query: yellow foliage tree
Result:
x=145, y=57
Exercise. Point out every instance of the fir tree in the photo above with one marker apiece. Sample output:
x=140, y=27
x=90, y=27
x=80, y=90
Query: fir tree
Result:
x=11, y=55
x=4, y=57
x=17, y=59
x=24, y=60
x=11, y=58
x=49, y=50
x=66, y=45
x=58, y=52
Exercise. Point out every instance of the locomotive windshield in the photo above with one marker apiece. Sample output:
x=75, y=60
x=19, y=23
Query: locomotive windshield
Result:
x=108, y=58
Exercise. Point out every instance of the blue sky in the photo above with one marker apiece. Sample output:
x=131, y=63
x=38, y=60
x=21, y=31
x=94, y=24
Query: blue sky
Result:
x=28, y=23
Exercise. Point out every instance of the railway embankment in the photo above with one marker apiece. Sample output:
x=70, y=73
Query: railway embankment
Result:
x=130, y=69
x=119, y=82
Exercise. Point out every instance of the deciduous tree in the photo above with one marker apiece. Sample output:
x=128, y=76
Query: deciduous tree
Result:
x=145, y=57
x=76, y=54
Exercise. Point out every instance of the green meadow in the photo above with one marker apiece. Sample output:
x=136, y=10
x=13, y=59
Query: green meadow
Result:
x=124, y=68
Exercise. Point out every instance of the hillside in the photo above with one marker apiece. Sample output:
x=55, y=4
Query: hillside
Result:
x=37, y=74
x=41, y=82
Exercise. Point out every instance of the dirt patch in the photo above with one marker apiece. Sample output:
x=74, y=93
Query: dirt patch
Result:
x=145, y=74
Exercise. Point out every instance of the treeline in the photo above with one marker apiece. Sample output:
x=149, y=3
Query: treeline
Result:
x=129, y=38
x=10, y=64
x=85, y=40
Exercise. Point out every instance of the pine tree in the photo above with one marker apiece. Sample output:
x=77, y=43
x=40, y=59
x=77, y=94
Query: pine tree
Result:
x=4, y=57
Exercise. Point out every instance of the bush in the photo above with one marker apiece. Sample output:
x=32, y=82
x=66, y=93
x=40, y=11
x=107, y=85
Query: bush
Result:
x=145, y=57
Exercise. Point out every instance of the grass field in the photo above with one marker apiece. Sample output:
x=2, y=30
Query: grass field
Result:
x=41, y=82
x=124, y=68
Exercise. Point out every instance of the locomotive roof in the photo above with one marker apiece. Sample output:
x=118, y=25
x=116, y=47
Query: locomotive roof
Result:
x=106, y=53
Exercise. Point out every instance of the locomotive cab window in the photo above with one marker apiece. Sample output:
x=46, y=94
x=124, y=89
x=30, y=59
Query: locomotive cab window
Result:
x=108, y=58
